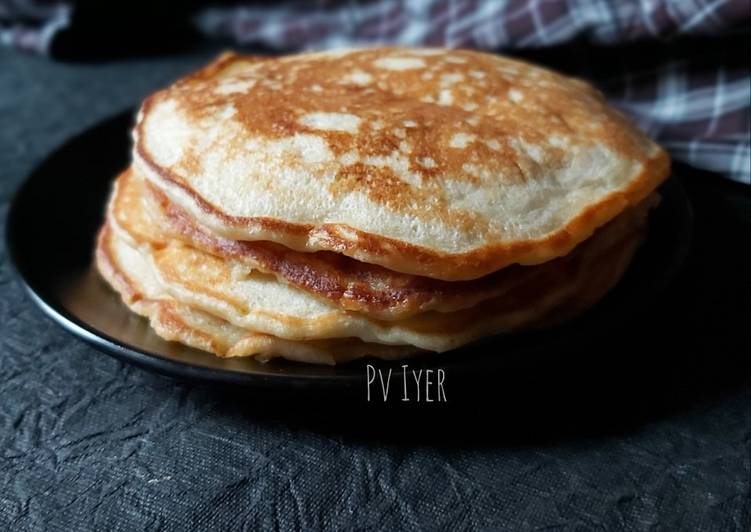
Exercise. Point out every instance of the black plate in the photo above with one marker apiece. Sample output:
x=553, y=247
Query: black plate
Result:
x=50, y=237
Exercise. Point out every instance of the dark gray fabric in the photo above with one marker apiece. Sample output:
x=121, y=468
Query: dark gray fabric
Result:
x=657, y=437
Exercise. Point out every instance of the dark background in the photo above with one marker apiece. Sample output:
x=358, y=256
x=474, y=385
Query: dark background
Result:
x=649, y=429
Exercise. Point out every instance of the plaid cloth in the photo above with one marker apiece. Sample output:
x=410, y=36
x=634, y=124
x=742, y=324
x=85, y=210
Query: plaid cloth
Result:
x=695, y=102
x=489, y=25
x=32, y=24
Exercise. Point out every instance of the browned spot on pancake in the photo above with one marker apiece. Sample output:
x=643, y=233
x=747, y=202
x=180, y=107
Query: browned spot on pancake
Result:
x=379, y=183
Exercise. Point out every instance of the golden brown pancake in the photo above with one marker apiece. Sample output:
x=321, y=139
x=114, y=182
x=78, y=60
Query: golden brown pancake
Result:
x=441, y=163
x=351, y=285
x=123, y=267
x=257, y=302
x=382, y=202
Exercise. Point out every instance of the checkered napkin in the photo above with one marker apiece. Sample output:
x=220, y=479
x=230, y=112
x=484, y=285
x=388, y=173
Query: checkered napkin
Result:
x=32, y=24
x=694, y=99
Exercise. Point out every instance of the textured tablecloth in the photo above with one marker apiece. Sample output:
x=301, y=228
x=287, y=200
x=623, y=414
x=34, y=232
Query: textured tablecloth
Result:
x=649, y=431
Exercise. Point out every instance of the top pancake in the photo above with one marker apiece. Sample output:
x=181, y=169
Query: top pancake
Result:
x=445, y=164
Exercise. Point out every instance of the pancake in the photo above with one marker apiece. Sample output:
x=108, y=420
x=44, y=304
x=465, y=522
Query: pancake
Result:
x=349, y=284
x=126, y=271
x=258, y=302
x=345, y=282
x=440, y=163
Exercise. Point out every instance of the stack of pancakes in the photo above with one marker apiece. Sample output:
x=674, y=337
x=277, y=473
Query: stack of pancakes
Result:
x=381, y=202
